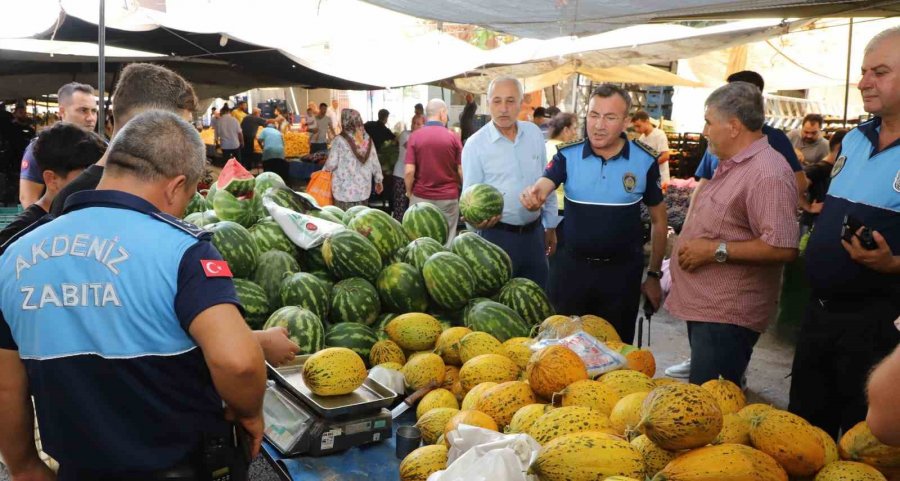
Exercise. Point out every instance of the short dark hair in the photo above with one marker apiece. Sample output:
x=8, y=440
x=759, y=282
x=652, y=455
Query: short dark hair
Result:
x=64, y=94
x=225, y=108
x=608, y=90
x=148, y=86
x=323, y=104
x=541, y=112
x=66, y=147
x=560, y=121
x=552, y=111
x=836, y=138
x=814, y=119
x=383, y=114
x=419, y=106
x=748, y=76
x=640, y=115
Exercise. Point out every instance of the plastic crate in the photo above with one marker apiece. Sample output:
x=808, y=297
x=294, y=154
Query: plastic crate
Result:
x=9, y=214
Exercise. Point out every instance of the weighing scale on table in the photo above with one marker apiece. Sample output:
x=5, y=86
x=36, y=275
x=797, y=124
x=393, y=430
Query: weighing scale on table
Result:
x=300, y=422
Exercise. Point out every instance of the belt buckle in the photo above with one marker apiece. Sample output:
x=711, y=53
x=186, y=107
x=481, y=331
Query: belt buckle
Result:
x=822, y=302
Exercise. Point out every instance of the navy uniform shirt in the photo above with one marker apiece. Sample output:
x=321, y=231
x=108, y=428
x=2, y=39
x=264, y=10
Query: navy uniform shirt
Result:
x=98, y=304
x=865, y=183
x=602, y=204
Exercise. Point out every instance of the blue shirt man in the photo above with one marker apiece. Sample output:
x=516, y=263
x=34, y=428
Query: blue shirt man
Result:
x=272, y=142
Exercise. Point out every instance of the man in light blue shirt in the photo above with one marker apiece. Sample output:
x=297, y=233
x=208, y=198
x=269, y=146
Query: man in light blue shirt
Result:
x=272, y=142
x=510, y=155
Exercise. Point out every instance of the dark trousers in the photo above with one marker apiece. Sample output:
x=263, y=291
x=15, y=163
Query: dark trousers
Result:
x=401, y=201
x=610, y=289
x=837, y=347
x=526, y=250
x=250, y=159
x=719, y=349
x=317, y=147
x=278, y=166
x=229, y=153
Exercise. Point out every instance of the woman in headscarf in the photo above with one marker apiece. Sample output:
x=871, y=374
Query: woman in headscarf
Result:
x=353, y=163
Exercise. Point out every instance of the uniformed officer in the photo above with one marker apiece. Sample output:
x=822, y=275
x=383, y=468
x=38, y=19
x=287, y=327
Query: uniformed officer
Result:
x=599, y=263
x=123, y=323
x=849, y=321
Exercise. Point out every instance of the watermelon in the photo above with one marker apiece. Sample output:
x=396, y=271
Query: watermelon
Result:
x=497, y=320
x=325, y=215
x=303, y=327
x=424, y=219
x=449, y=280
x=402, y=289
x=268, y=236
x=353, y=212
x=490, y=264
x=335, y=211
x=381, y=229
x=480, y=202
x=469, y=305
x=307, y=291
x=419, y=250
x=325, y=277
x=236, y=245
x=255, y=302
x=265, y=181
x=312, y=200
x=201, y=219
x=383, y=320
x=211, y=194
x=354, y=300
x=448, y=319
x=311, y=259
x=198, y=203
x=271, y=269
x=527, y=298
x=287, y=198
x=399, y=256
x=348, y=254
x=235, y=179
x=236, y=209
x=359, y=338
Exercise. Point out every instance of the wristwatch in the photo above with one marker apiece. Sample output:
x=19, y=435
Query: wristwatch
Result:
x=722, y=253
x=655, y=274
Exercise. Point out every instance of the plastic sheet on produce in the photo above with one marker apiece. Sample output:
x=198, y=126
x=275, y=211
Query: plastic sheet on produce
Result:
x=478, y=454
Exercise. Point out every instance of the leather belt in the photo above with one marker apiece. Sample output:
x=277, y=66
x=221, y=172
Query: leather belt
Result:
x=518, y=229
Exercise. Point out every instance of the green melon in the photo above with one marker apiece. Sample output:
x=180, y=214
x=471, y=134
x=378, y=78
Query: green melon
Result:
x=359, y=338
x=527, y=298
x=383, y=320
x=287, y=198
x=354, y=300
x=197, y=204
x=490, y=263
x=307, y=291
x=201, y=219
x=402, y=289
x=236, y=245
x=382, y=230
x=304, y=327
x=272, y=269
x=480, y=202
x=265, y=181
x=497, y=320
x=348, y=254
x=311, y=259
x=335, y=211
x=419, y=250
x=325, y=215
x=449, y=280
x=268, y=236
x=254, y=301
x=424, y=219
x=353, y=212
x=236, y=209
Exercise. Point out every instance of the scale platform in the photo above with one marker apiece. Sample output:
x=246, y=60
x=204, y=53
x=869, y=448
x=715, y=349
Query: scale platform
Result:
x=300, y=422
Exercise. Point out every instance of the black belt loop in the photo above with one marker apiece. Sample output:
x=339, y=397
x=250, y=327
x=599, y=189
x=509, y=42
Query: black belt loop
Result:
x=518, y=229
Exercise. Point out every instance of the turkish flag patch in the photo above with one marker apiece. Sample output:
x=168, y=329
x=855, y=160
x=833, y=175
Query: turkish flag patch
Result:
x=214, y=268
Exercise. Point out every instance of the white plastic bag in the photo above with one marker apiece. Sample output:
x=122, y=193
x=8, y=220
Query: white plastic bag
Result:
x=598, y=357
x=305, y=231
x=389, y=378
x=483, y=455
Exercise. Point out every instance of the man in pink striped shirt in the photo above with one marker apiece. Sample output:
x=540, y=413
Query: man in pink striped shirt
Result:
x=727, y=263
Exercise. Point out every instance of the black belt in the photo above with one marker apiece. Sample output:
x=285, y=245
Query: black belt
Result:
x=518, y=229
x=598, y=259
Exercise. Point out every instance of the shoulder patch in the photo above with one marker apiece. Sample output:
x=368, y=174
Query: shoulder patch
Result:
x=646, y=148
x=186, y=227
x=569, y=144
x=34, y=225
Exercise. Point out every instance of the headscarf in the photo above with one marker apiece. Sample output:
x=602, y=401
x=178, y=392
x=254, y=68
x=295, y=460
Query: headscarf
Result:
x=353, y=132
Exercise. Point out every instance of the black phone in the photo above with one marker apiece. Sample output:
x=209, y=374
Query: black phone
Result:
x=849, y=230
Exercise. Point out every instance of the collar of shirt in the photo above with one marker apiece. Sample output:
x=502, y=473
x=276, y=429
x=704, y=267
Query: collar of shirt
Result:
x=433, y=123
x=749, y=151
x=588, y=151
x=108, y=198
x=496, y=135
x=871, y=130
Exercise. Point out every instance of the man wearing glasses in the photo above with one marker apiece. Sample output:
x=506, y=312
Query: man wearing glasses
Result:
x=606, y=176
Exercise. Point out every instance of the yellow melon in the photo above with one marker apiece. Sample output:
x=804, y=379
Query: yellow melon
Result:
x=626, y=414
x=553, y=368
x=334, y=371
x=662, y=381
x=735, y=430
x=477, y=343
x=386, y=351
x=729, y=395
x=587, y=456
x=790, y=440
x=432, y=423
x=475, y=394
x=849, y=471
x=526, y=416
x=599, y=328
x=519, y=350
x=640, y=360
x=423, y=369
x=472, y=418
x=451, y=381
x=438, y=398
x=503, y=400
x=567, y=420
x=726, y=462
x=487, y=368
x=414, y=331
x=421, y=463
x=624, y=382
x=859, y=444
x=831, y=450
x=391, y=365
x=680, y=416
x=590, y=394
x=655, y=457
x=751, y=411
x=447, y=345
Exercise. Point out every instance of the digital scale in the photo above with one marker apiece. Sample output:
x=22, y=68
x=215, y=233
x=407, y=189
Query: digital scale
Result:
x=300, y=422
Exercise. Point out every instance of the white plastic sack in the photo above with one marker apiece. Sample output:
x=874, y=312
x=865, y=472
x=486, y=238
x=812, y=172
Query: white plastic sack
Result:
x=478, y=454
x=305, y=231
x=388, y=378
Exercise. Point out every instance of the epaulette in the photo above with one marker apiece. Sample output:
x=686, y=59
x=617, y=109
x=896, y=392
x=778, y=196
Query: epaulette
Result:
x=646, y=148
x=569, y=144
x=186, y=227
x=34, y=225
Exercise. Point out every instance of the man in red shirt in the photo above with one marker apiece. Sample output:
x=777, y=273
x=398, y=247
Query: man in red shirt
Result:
x=727, y=262
x=434, y=165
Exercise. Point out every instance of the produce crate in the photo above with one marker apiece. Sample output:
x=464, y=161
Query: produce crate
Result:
x=8, y=214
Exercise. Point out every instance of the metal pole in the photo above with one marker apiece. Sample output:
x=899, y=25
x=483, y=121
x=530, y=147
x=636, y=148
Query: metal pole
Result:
x=847, y=84
x=101, y=69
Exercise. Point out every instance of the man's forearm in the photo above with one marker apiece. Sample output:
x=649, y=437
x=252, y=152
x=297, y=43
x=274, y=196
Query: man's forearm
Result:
x=16, y=416
x=408, y=180
x=757, y=251
x=545, y=186
x=884, y=417
x=242, y=389
x=658, y=234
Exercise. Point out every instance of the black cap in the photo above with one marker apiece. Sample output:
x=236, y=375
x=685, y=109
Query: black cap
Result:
x=541, y=112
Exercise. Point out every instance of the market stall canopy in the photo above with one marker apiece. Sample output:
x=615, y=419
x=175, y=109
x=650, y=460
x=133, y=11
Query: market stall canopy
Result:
x=549, y=19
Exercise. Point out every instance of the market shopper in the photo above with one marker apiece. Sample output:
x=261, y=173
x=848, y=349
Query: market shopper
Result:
x=320, y=131
x=541, y=118
x=272, y=143
x=509, y=155
x=434, y=165
x=229, y=136
x=378, y=130
x=240, y=111
x=849, y=321
x=249, y=128
x=563, y=129
x=78, y=106
x=137, y=340
x=656, y=139
x=727, y=263
x=606, y=177
x=353, y=163
x=467, y=119
x=819, y=177
x=808, y=142
x=401, y=200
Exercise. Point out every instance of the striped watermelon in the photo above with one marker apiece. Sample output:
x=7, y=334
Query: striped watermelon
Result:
x=235, y=179
x=469, y=305
x=497, y=320
x=383, y=320
x=527, y=298
x=354, y=300
x=268, y=236
x=402, y=289
x=449, y=280
x=348, y=254
x=302, y=325
x=287, y=198
x=198, y=203
x=490, y=264
x=335, y=211
x=325, y=277
x=265, y=181
x=359, y=338
x=311, y=259
x=381, y=229
x=419, y=250
x=211, y=194
x=424, y=219
x=201, y=219
x=307, y=291
x=236, y=245
x=325, y=215
x=255, y=302
x=480, y=202
x=353, y=212
x=235, y=209
x=399, y=256
x=271, y=270
x=448, y=318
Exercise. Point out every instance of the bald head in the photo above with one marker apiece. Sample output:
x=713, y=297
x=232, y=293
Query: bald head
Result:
x=257, y=111
x=435, y=108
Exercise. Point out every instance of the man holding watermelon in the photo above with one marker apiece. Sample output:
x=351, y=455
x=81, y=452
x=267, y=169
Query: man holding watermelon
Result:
x=606, y=176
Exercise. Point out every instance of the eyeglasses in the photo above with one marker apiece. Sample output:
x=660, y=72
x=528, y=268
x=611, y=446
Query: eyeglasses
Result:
x=608, y=118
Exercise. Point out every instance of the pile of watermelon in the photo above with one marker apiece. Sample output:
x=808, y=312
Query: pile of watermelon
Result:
x=344, y=292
